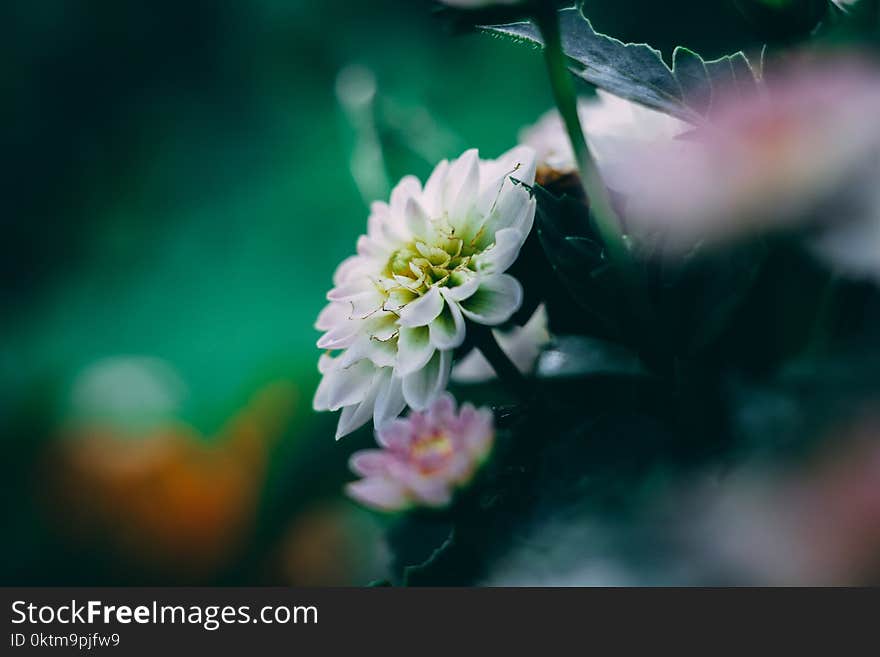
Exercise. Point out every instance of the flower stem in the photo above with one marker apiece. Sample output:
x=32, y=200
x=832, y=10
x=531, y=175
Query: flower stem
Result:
x=565, y=96
x=507, y=372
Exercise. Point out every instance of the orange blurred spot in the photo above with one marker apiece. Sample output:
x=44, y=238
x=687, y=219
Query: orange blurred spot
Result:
x=168, y=502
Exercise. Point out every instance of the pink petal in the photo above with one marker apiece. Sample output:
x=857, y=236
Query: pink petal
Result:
x=396, y=434
x=370, y=462
x=442, y=411
x=378, y=493
x=461, y=469
x=433, y=492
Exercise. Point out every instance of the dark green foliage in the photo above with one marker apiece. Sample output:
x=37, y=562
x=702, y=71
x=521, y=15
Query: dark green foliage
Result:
x=729, y=358
x=637, y=72
x=783, y=20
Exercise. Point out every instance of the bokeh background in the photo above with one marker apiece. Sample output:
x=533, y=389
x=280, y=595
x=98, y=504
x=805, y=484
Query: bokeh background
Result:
x=180, y=181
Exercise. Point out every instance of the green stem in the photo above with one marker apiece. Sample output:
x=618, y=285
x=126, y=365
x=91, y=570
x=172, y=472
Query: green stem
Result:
x=507, y=372
x=566, y=100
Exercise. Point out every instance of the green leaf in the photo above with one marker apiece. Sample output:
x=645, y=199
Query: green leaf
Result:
x=637, y=72
x=578, y=262
x=579, y=356
x=806, y=401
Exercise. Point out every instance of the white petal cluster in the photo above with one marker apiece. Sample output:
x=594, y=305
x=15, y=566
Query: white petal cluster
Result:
x=432, y=257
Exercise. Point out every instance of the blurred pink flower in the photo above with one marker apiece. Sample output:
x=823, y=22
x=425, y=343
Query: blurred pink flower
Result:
x=764, y=162
x=817, y=525
x=424, y=457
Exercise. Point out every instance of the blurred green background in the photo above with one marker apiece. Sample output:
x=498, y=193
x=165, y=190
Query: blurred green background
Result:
x=179, y=193
x=181, y=180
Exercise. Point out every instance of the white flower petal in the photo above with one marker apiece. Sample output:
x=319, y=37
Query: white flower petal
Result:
x=414, y=349
x=380, y=353
x=325, y=363
x=526, y=160
x=498, y=257
x=347, y=386
x=497, y=298
x=447, y=331
x=356, y=416
x=348, y=331
x=408, y=187
x=422, y=387
x=333, y=313
x=519, y=163
x=422, y=311
x=369, y=249
x=464, y=290
x=382, y=229
x=389, y=400
x=522, y=344
x=349, y=289
x=462, y=187
x=513, y=208
x=498, y=176
x=381, y=325
x=473, y=368
x=432, y=196
x=526, y=221
x=416, y=219
x=344, y=271
x=361, y=303
x=340, y=336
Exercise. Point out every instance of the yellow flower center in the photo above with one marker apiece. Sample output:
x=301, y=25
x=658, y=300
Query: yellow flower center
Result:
x=431, y=451
x=418, y=266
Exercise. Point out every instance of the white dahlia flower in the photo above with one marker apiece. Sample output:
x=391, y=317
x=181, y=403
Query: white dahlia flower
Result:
x=608, y=122
x=432, y=257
